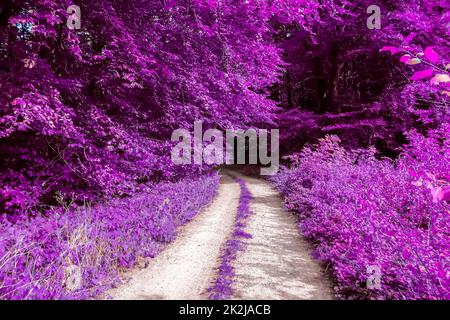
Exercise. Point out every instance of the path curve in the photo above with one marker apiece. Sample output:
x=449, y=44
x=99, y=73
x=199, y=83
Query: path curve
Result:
x=276, y=263
x=185, y=268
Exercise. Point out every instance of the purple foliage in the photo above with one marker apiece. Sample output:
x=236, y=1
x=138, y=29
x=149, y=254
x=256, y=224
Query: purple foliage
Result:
x=360, y=211
x=86, y=117
x=222, y=288
x=73, y=254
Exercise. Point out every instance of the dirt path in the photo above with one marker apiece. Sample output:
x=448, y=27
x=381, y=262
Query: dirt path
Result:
x=275, y=265
x=185, y=268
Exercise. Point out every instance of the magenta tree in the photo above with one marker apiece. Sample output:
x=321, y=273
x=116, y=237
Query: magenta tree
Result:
x=89, y=111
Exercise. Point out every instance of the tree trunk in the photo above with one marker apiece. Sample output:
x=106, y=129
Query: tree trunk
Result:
x=320, y=85
x=333, y=87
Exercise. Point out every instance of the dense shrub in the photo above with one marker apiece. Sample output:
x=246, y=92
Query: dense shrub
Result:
x=78, y=253
x=362, y=212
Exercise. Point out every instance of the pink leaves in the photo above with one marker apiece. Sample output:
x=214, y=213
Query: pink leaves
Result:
x=370, y=209
x=431, y=55
x=440, y=78
x=18, y=102
x=423, y=74
x=29, y=63
x=441, y=194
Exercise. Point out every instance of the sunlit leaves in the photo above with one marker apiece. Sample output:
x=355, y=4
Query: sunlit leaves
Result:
x=409, y=38
x=73, y=253
x=413, y=61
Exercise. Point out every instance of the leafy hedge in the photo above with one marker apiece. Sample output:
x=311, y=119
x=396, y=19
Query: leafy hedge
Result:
x=75, y=254
x=363, y=213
